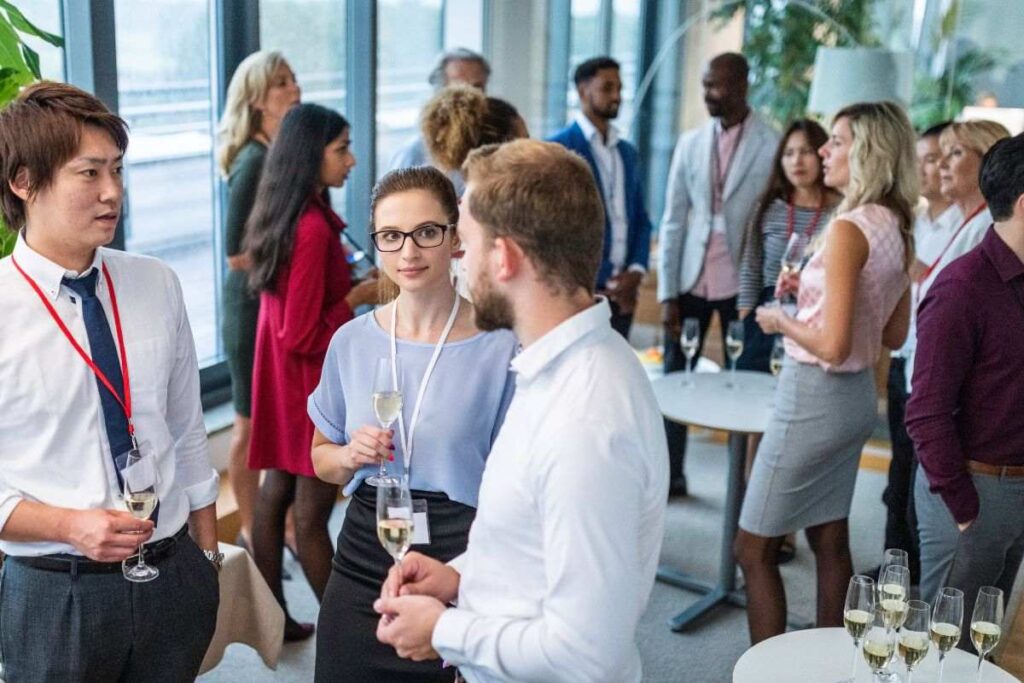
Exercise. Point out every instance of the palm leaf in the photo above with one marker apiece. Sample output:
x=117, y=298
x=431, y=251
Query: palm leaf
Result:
x=25, y=26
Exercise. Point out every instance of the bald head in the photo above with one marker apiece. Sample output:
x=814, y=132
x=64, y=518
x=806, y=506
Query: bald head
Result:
x=725, y=86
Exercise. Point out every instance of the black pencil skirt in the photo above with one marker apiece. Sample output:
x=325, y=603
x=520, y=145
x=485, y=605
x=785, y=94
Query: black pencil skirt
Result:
x=347, y=649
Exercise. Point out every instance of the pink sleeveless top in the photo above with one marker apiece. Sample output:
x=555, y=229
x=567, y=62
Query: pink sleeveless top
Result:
x=879, y=287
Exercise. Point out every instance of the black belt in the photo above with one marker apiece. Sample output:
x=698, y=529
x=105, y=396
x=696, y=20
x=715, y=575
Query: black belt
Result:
x=76, y=564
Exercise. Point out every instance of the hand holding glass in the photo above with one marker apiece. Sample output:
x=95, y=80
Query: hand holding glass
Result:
x=140, y=498
x=986, y=622
x=394, y=517
x=387, y=403
x=689, y=340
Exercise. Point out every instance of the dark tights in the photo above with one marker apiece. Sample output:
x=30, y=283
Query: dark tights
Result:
x=766, y=595
x=312, y=501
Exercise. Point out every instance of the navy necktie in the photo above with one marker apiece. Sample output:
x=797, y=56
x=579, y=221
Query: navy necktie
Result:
x=104, y=354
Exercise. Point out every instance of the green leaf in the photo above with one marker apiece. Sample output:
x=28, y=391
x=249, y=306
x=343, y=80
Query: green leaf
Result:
x=10, y=47
x=32, y=60
x=25, y=26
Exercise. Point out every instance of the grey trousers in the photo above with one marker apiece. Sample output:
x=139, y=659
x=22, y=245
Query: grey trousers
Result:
x=100, y=627
x=989, y=552
x=938, y=537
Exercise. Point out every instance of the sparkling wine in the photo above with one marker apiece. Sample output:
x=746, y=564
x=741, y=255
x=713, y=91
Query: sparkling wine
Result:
x=734, y=347
x=912, y=648
x=878, y=653
x=790, y=268
x=857, y=622
x=395, y=535
x=387, y=405
x=895, y=611
x=690, y=347
x=140, y=504
x=945, y=636
x=985, y=636
x=775, y=365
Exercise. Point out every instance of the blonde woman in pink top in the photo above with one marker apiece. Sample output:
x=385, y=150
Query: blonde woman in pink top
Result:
x=853, y=299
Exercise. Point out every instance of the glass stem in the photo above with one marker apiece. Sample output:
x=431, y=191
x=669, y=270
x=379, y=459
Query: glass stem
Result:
x=981, y=660
x=139, y=563
x=732, y=374
x=942, y=665
x=853, y=664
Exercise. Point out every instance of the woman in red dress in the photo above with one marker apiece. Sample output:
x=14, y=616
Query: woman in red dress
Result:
x=306, y=293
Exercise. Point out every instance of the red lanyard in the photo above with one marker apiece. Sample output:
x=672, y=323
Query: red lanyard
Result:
x=930, y=269
x=126, y=404
x=791, y=219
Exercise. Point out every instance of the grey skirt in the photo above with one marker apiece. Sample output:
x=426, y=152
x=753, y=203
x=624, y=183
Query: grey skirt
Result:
x=806, y=465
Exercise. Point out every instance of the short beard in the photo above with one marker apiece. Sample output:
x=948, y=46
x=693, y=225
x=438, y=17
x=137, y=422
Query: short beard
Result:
x=492, y=311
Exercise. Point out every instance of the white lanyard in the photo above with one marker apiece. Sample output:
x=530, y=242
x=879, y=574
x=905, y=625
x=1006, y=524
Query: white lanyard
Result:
x=407, y=440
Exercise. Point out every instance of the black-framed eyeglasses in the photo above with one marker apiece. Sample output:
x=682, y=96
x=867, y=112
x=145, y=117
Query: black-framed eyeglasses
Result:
x=427, y=236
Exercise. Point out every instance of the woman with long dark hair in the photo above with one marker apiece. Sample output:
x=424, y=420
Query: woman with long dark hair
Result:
x=306, y=293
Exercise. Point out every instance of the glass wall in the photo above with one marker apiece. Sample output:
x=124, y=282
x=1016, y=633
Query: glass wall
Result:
x=585, y=41
x=163, y=66
x=625, y=49
x=45, y=15
x=409, y=40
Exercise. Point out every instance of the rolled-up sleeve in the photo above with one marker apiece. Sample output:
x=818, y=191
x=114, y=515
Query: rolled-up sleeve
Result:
x=592, y=569
x=193, y=470
x=9, y=499
x=946, y=347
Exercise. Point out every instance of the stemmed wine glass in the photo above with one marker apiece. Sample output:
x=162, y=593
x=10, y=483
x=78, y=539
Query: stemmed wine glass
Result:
x=793, y=260
x=986, y=622
x=913, y=643
x=860, y=603
x=387, y=403
x=734, y=347
x=879, y=642
x=947, y=619
x=778, y=356
x=140, y=479
x=689, y=341
x=893, y=594
x=394, y=516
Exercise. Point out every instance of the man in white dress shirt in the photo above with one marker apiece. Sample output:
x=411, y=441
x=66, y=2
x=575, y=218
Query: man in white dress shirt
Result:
x=563, y=552
x=74, y=402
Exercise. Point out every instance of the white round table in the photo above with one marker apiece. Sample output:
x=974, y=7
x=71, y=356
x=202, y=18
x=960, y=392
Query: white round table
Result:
x=823, y=655
x=709, y=400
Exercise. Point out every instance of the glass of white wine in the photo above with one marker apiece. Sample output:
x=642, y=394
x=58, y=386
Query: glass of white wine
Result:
x=860, y=603
x=689, y=340
x=140, y=498
x=387, y=403
x=879, y=642
x=394, y=516
x=947, y=620
x=793, y=260
x=734, y=347
x=893, y=594
x=986, y=622
x=914, y=641
x=778, y=356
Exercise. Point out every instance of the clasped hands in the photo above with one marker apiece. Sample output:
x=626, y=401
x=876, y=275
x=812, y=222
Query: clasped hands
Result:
x=769, y=317
x=411, y=601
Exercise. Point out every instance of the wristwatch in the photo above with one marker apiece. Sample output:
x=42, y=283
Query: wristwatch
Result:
x=216, y=558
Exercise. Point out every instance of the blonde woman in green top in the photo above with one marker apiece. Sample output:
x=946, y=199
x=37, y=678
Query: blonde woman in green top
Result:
x=261, y=91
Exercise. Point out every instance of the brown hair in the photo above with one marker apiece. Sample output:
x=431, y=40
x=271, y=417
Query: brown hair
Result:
x=426, y=178
x=40, y=131
x=459, y=119
x=544, y=198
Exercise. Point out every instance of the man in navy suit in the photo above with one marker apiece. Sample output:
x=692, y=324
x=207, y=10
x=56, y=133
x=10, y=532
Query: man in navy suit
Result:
x=627, y=229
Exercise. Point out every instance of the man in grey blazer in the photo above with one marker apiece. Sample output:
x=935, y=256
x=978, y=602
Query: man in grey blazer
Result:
x=718, y=172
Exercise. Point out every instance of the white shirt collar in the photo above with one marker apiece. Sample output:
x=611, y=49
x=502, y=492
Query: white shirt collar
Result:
x=46, y=273
x=533, y=360
x=592, y=134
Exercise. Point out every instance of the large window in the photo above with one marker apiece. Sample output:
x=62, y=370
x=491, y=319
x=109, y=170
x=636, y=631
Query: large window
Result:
x=163, y=66
x=625, y=49
x=409, y=40
x=585, y=40
x=45, y=14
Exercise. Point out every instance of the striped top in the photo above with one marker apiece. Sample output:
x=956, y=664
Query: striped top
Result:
x=761, y=266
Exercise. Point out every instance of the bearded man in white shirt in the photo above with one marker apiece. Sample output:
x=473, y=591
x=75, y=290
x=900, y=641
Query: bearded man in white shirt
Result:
x=75, y=403
x=563, y=552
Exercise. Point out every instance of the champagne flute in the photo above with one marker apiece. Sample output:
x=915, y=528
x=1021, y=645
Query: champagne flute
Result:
x=777, y=357
x=734, y=347
x=913, y=643
x=986, y=622
x=387, y=403
x=860, y=602
x=793, y=259
x=394, y=517
x=140, y=498
x=879, y=642
x=893, y=594
x=689, y=341
x=947, y=619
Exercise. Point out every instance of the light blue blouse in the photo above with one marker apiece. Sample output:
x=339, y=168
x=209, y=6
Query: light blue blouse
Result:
x=462, y=411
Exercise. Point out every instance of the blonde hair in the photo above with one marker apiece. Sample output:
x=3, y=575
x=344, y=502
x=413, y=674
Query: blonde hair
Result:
x=978, y=136
x=459, y=119
x=883, y=164
x=241, y=120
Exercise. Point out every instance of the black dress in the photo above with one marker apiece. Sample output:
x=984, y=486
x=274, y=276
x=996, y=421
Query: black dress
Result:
x=347, y=649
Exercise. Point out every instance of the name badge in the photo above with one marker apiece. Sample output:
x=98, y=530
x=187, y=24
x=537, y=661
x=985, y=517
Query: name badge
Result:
x=718, y=223
x=420, y=523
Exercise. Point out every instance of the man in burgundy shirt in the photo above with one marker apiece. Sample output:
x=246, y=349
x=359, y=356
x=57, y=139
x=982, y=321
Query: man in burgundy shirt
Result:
x=966, y=414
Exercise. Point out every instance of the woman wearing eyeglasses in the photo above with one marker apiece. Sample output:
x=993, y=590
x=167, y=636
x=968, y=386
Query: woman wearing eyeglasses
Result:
x=465, y=393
